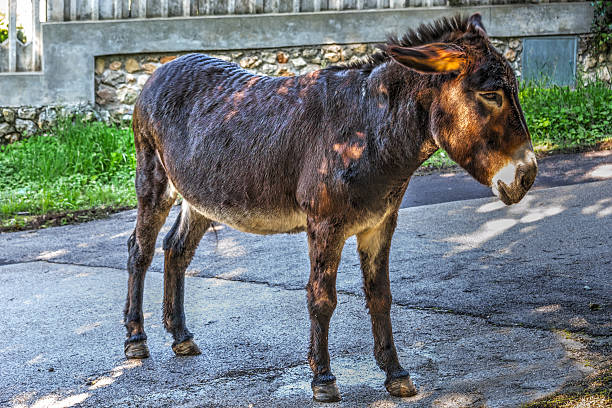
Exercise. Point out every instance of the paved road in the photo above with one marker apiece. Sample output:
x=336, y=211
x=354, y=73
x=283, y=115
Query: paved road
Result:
x=553, y=171
x=493, y=306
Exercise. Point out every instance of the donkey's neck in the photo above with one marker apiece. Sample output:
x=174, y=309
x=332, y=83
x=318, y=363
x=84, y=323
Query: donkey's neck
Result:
x=403, y=135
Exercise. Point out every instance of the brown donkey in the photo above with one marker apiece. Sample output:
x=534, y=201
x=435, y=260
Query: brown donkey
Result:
x=330, y=153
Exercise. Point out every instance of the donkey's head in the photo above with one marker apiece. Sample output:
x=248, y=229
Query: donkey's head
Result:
x=475, y=113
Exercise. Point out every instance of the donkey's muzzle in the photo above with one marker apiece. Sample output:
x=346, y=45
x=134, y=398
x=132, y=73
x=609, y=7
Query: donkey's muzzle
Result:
x=526, y=175
x=512, y=182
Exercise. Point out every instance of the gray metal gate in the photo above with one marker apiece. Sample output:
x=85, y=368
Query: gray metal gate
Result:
x=550, y=60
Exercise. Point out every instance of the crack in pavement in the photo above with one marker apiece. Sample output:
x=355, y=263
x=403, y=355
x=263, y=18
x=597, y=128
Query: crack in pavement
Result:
x=258, y=370
x=6, y=262
x=225, y=375
x=75, y=264
x=432, y=309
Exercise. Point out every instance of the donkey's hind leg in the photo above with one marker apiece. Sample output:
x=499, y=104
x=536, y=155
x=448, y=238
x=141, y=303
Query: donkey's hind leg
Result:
x=155, y=198
x=374, y=246
x=179, y=247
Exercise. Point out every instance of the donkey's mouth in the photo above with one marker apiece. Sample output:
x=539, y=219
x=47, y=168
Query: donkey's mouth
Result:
x=507, y=194
x=501, y=192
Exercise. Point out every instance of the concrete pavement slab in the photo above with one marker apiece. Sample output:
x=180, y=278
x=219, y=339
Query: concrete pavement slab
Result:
x=61, y=345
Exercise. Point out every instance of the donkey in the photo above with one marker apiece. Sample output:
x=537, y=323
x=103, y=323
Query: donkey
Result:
x=330, y=153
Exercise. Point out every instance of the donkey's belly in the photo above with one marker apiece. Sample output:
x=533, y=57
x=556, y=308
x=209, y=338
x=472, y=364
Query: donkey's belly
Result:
x=255, y=221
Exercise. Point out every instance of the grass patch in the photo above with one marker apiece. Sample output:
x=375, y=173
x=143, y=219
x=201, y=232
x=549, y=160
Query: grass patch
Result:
x=83, y=166
x=594, y=392
x=560, y=119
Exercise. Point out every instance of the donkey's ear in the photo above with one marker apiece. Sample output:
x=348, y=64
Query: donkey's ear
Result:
x=429, y=58
x=475, y=24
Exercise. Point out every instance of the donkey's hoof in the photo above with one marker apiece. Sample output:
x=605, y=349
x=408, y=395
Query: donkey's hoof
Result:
x=186, y=348
x=327, y=392
x=401, y=387
x=136, y=349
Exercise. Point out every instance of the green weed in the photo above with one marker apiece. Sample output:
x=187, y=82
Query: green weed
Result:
x=564, y=118
x=83, y=165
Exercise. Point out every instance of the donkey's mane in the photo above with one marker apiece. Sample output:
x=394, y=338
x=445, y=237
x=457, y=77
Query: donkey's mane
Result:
x=437, y=31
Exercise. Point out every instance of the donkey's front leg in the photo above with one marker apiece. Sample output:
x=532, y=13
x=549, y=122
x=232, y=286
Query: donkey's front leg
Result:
x=325, y=244
x=373, y=246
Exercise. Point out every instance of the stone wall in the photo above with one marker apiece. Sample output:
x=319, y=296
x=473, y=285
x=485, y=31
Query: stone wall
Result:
x=119, y=79
x=591, y=67
x=18, y=123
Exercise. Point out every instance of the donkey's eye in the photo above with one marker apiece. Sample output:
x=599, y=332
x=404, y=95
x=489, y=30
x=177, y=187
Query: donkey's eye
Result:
x=492, y=97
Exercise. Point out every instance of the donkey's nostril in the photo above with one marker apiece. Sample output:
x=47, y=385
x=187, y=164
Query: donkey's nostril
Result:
x=525, y=182
x=527, y=176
